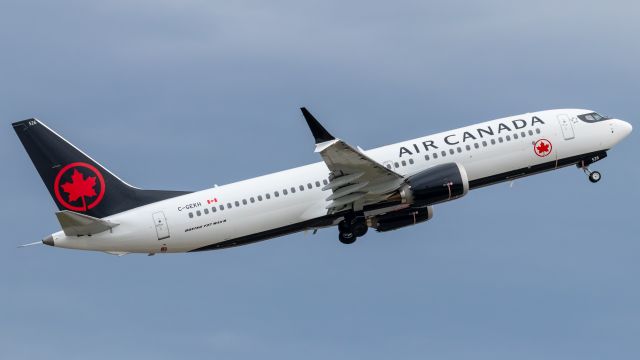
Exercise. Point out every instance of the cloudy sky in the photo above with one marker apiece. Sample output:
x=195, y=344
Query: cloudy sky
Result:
x=187, y=94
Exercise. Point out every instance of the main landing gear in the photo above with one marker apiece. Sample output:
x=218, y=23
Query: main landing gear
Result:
x=352, y=227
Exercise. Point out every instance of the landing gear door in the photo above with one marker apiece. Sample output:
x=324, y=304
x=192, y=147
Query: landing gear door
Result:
x=566, y=126
x=160, y=222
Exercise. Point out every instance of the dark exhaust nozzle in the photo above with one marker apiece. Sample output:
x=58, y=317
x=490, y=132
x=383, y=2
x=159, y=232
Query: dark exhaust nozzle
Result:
x=48, y=240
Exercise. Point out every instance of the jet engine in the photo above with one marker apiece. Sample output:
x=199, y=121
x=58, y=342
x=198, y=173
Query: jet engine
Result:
x=438, y=184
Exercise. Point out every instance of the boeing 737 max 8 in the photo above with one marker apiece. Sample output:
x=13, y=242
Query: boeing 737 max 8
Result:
x=386, y=188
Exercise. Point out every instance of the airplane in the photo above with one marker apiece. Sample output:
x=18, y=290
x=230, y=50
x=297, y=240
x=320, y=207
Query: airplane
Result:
x=385, y=188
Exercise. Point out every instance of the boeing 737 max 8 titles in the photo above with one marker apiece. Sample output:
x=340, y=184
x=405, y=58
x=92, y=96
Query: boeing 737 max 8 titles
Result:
x=386, y=188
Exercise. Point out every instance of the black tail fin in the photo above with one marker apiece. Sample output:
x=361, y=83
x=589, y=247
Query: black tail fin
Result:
x=77, y=182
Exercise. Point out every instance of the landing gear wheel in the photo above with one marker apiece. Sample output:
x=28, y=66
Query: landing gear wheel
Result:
x=360, y=229
x=347, y=237
x=344, y=226
x=595, y=176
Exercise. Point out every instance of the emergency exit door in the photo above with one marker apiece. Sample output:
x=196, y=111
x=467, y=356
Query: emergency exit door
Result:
x=566, y=126
x=160, y=221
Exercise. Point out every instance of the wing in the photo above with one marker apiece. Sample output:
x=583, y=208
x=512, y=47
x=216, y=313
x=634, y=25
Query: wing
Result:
x=356, y=180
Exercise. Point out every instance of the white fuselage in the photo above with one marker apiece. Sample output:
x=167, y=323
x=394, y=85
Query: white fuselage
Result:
x=260, y=205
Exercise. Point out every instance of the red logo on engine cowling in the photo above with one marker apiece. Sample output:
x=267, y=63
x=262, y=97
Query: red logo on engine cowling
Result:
x=79, y=186
x=542, y=147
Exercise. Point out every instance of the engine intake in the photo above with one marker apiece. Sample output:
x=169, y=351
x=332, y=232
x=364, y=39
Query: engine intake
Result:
x=435, y=185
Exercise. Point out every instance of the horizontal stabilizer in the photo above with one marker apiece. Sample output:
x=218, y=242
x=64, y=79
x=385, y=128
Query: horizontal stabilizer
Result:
x=76, y=224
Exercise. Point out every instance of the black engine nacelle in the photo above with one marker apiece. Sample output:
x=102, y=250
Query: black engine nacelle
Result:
x=437, y=184
x=401, y=218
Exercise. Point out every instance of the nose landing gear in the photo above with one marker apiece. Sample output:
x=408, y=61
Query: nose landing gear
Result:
x=594, y=176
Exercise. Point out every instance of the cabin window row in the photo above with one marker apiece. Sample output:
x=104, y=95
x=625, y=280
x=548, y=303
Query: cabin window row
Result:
x=252, y=199
x=468, y=147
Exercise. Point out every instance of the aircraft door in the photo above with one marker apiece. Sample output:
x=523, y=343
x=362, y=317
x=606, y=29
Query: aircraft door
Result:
x=160, y=222
x=566, y=126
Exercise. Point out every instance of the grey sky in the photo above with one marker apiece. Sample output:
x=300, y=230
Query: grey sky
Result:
x=187, y=94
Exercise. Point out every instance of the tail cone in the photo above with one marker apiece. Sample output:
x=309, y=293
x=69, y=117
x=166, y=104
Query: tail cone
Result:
x=48, y=240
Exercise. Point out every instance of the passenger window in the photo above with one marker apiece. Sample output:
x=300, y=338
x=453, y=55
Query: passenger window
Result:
x=325, y=182
x=309, y=186
x=191, y=215
x=244, y=201
x=523, y=134
x=252, y=199
x=198, y=213
x=459, y=149
x=515, y=136
x=476, y=146
x=229, y=206
x=293, y=190
x=237, y=203
x=277, y=194
x=206, y=211
x=221, y=207
x=389, y=166
x=530, y=132
x=500, y=139
x=435, y=155
x=317, y=183
x=404, y=163
x=484, y=143
x=451, y=151
x=468, y=147
x=411, y=161
x=396, y=165
x=268, y=196
x=301, y=187
x=508, y=137
x=443, y=153
x=259, y=197
x=537, y=131
x=284, y=192
x=426, y=157
x=213, y=209
x=493, y=141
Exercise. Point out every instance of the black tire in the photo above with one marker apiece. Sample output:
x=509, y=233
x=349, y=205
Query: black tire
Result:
x=347, y=238
x=595, y=176
x=344, y=226
x=360, y=229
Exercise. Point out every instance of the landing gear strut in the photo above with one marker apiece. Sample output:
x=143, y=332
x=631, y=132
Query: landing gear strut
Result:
x=594, y=176
x=351, y=228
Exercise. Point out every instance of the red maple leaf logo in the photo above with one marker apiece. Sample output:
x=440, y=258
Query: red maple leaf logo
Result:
x=543, y=147
x=79, y=187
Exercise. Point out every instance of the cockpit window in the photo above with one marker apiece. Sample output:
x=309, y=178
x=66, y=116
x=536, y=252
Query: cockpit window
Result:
x=592, y=117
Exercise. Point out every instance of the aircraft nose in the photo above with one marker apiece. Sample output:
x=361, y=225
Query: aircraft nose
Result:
x=625, y=128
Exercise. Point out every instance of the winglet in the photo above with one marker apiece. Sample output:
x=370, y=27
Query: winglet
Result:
x=319, y=132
